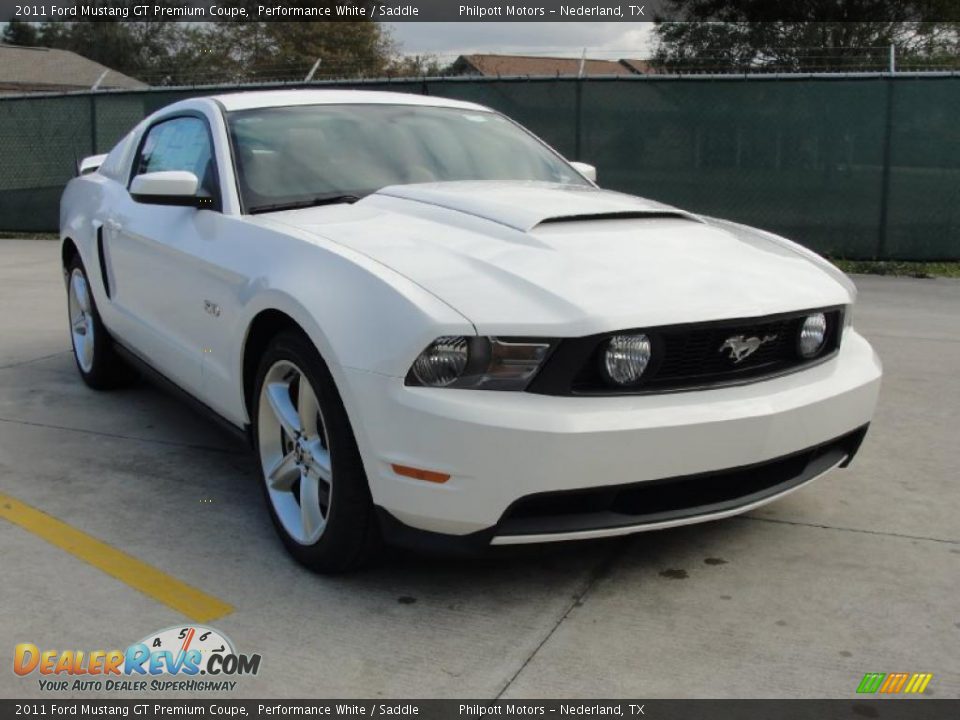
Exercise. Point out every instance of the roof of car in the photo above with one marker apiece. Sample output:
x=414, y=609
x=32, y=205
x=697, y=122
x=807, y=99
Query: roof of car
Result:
x=283, y=98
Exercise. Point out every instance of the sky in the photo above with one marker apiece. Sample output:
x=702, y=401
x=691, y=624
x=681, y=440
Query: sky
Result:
x=611, y=40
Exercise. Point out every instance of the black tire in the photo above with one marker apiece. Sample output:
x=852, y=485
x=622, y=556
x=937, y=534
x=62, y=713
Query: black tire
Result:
x=351, y=536
x=106, y=369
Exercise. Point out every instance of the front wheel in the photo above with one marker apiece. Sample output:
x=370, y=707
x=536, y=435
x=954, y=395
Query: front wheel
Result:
x=313, y=477
x=100, y=367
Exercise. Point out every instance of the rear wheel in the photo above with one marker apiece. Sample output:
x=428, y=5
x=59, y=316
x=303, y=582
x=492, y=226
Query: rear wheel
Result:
x=313, y=477
x=99, y=365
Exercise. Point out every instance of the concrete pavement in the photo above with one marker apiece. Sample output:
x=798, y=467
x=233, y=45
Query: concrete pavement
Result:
x=856, y=573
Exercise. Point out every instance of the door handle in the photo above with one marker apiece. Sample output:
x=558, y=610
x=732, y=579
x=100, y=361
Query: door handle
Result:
x=114, y=225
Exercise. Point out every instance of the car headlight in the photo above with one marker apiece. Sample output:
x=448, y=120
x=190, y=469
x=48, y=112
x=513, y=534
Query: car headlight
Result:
x=625, y=358
x=479, y=363
x=813, y=335
x=442, y=362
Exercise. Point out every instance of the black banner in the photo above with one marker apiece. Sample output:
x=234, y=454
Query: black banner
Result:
x=632, y=11
x=884, y=709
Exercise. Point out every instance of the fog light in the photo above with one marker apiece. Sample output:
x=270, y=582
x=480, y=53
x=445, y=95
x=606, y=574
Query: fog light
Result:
x=813, y=334
x=442, y=362
x=626, y=358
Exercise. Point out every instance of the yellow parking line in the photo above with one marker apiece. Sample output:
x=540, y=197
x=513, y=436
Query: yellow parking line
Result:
x=195, y=604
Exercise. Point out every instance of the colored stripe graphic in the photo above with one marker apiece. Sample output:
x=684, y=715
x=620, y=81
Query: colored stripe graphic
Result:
x=894, y=683
x=913, y=683
x=871, y=682
x=191, y=602
x=918, y=683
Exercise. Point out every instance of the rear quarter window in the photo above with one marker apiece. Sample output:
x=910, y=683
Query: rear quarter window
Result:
x=117, y=162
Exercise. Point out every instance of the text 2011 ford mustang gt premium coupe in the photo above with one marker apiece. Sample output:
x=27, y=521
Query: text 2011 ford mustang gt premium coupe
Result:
x=437, y=331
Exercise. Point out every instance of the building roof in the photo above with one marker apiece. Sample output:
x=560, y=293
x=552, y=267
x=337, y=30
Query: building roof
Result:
x=508, y=65
x=639, y=67
x=37, y=69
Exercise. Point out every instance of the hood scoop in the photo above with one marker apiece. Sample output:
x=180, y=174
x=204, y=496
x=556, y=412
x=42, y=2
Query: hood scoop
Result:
x=624, y=215
x=525, y=205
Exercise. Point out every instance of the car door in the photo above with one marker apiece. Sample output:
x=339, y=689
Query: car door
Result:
x=155, y=250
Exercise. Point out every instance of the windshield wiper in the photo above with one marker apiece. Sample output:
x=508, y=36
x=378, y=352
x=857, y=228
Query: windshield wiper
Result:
x=311, y=202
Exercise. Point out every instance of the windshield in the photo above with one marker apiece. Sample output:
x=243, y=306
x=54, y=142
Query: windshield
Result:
x=295, y=156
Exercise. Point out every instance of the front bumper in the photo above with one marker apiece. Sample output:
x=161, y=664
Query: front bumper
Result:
x=505, y=450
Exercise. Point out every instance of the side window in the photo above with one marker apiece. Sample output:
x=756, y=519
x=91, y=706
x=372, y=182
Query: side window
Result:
x=179, y=144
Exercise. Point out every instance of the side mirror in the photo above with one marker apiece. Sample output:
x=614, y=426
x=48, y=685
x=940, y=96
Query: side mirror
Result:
x=585, y=169
x=90, y=164
x=167, y=187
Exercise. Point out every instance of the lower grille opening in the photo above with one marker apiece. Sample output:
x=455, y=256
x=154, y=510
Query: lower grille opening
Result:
x=673, y=498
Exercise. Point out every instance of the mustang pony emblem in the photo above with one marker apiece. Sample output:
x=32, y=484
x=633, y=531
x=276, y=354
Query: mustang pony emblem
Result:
x=741, y=348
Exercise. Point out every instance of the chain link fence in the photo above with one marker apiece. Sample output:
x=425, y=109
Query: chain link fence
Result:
x=862, y=166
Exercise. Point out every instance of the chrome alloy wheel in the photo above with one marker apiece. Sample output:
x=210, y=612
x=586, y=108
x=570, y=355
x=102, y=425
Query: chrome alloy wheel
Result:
x=81, y=319
x=294, y=452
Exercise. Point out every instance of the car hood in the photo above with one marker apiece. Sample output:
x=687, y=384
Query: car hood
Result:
x=536, y=258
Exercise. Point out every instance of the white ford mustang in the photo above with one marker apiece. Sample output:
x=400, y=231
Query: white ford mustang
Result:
x=437, y=331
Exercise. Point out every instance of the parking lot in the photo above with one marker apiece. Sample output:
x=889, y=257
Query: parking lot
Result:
x=860, y=572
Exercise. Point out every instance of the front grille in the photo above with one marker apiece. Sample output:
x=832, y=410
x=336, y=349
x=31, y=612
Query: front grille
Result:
x=695, y=356
x=689, y=356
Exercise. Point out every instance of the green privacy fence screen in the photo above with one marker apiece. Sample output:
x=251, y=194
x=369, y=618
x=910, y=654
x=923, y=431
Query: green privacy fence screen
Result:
x=855, y=166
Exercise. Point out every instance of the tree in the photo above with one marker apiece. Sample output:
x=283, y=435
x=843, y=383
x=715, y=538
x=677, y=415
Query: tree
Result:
x=236, y=51
x=18, y=32
x=138, y=49
x=257, y=50
x=345, y=49
x=715, y=35
x=417, y=66
x=246, y=50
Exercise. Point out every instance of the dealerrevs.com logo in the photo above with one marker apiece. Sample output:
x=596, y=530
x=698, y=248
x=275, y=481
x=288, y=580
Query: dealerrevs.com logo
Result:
x=186, y=658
